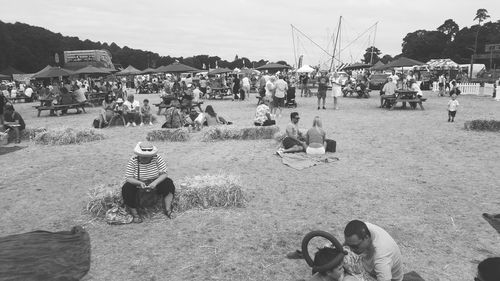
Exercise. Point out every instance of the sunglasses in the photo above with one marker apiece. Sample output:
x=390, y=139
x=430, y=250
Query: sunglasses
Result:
x=146, y=148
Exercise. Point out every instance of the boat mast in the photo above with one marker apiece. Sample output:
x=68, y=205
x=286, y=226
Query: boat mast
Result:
x=332, y=65
x=294, y=52
x=373, y=44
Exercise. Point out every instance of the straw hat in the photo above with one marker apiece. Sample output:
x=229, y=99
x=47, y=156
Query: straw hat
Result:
x=145, y=149
x=119, y=100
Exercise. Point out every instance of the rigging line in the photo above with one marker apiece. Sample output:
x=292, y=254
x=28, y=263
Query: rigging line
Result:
x=335, y=42
x=294, y=52
x=321, y=48
x=359, y=36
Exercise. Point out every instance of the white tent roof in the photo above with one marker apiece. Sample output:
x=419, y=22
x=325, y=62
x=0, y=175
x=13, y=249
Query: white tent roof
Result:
x=305, y=69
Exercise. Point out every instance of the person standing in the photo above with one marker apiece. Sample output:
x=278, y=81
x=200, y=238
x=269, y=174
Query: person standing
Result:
x=281, y=87
x=236, y=87
x=246, y=87
x=452, y=108
x=305, y=88
x=336, y=89
x=322, y=88
x=270, y=90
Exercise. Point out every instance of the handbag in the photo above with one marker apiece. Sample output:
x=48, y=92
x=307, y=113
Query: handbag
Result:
x=146, y=197
x=118, y=215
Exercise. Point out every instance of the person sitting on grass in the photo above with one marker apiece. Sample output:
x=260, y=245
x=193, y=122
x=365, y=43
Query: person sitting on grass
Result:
x=107, y=112
x=132, y=108
x=372, y=253
x=316, y=138
x=146, y=113
x=294, y=140
x=119, y=111
x=13, y=121
x=263, y=114
x=147, y=170
x=488, y=270
x=173, y=116
x=209, y=118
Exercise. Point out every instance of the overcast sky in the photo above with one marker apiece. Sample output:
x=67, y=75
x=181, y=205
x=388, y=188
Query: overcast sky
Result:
x=253, y=29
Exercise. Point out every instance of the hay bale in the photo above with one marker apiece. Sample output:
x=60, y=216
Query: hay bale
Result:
x=483, y=125
x=27, y=133
x=208, y=191
x=102, y=198
x=234, y=133
x=175, y=135
x=63, y=136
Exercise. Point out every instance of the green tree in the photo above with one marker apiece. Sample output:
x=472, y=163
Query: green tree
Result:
x=481, y=15
x=424, y=45
x=368, y=58
x=450, y=28
x=386, y=59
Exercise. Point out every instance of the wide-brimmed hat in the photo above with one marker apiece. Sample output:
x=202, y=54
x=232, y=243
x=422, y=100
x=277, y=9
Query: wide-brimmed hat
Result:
x=119, y=100
x=145, y=149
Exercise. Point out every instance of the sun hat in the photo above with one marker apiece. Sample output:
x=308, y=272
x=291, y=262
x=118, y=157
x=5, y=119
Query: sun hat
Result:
x=119, y=100
x=145, y=149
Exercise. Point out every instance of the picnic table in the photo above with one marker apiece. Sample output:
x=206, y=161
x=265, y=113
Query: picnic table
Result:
x=95, y=99
x=166, y=105
x=219, y=92
x=404, y=96
x=47, y=104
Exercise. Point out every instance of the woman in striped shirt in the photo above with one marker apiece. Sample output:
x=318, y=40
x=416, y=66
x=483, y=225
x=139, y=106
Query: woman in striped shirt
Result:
x=147, y=170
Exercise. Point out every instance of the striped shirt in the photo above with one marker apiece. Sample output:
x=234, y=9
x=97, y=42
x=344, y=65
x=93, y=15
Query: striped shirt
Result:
x=149, y=171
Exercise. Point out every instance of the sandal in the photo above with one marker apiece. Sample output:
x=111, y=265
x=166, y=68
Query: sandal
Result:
x=168, y=213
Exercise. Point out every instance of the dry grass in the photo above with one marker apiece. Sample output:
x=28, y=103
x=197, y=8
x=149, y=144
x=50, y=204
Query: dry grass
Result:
x=173, y=135
x=64, y=136
x=236, y=133
x=423, y=179
x=209, y=191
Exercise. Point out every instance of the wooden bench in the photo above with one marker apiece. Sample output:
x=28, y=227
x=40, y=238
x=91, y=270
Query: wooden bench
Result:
x=60, y=107
x=21, y=98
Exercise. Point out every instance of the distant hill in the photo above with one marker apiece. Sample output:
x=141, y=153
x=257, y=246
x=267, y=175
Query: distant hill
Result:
x=30, y=48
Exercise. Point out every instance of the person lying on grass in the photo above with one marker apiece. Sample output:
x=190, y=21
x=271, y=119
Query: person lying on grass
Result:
x=148, y=171
x=373, y=248
x=294, y=140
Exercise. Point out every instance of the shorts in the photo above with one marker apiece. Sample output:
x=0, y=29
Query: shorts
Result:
x=279, y=102
x=321, y=94
x=315, y=150
x=289, y=143
x=452, y=113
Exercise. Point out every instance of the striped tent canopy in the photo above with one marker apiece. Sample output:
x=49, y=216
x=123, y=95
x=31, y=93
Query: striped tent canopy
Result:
x=441, y=64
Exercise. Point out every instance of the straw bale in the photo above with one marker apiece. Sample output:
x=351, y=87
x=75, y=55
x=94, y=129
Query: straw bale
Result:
x=174, y=135
x=27, y=133
x=209, y=191
x=483, y=125
x=235, y=133
x=63, y=136
x=102, y=198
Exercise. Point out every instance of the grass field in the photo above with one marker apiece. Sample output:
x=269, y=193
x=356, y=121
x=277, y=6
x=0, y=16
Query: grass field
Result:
x=424, y=180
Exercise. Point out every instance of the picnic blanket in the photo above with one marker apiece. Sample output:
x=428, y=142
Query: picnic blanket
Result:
x=493, y=220
x=301, y=160
x=42, y=255
x=7, y=149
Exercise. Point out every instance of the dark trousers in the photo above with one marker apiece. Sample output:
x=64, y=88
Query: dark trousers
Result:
x=130, y=191
x=266, y=123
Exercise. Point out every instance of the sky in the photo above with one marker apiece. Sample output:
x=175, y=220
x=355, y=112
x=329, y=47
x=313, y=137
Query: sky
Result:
x=257, y=29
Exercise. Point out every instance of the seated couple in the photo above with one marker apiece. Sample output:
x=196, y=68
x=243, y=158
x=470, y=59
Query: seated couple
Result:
x=370, y=254
x=314, y=142
x=129, y=112
x=175, y=117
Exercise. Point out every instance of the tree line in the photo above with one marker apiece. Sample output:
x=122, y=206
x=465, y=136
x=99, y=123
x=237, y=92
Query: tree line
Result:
x=447, y=41
x=30, y=48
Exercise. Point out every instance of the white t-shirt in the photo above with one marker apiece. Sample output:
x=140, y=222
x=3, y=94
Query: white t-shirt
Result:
x=453, y=105
x=270, y=87
x=196, y=95
x=131, y=106
x=281, y=88
x=386, y=263
x=246, y=82
x=28, y=92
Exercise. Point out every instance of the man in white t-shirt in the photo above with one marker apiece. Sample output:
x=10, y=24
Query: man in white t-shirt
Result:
x=245, y=82
x=379, y=252
x=279, y=95
x=28, y=92
x=131, y=108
